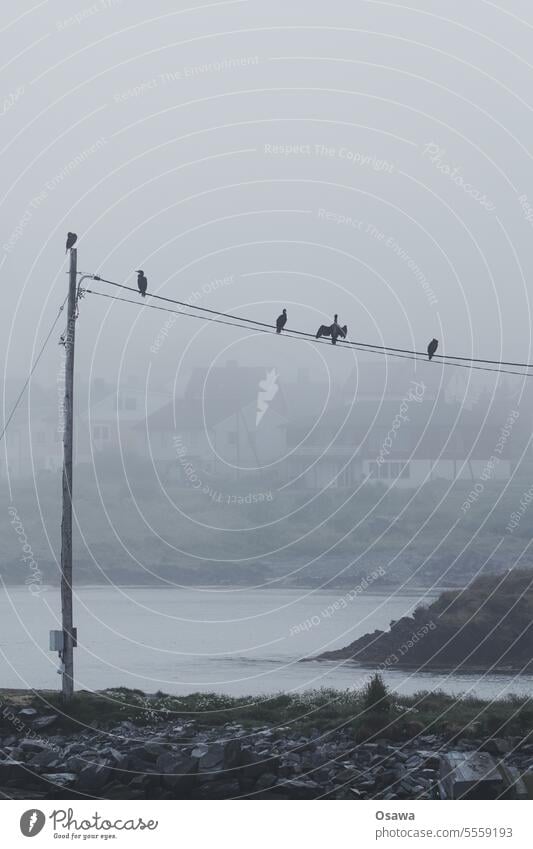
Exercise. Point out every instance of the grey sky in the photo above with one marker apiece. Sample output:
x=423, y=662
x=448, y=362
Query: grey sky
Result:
x=231, y=141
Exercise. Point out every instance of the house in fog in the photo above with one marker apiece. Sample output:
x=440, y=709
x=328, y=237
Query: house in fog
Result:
x=33, y=441
x=231, y=420
x=404, y=441
x=112, y=417
x=33, y=444
x=106, y=419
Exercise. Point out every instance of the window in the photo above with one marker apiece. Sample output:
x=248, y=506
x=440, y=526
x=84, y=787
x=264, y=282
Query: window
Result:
x=101, y=432
x=390, y=470
x=233, y=437
x=384, y=471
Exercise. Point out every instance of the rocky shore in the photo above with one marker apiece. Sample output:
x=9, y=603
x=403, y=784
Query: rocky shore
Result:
x=175, y=760
x=488, y=625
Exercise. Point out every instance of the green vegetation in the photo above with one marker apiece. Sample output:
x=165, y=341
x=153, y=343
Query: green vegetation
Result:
x=375, y=697
x=488, y=625
x=316, y=711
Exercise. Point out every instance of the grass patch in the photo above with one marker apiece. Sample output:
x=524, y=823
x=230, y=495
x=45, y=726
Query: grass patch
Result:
x=314, y=711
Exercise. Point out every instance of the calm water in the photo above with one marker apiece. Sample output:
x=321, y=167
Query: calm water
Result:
x=235, y=641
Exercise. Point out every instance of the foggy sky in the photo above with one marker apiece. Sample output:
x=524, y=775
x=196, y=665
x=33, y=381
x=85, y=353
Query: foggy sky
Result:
x=231, y=142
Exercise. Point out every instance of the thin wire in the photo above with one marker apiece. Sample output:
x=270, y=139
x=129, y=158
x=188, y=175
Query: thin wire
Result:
x=34, y=366
x=355, y=344
x=268, y=328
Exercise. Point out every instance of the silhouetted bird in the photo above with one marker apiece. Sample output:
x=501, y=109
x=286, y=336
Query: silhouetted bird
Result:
x=432, y=347
x=337, y=331
x=281, y=321
x=71, y=241
x=334, y=330
x=142, y=283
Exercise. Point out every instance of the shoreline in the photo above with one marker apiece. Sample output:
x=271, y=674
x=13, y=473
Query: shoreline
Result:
x=383, y=593
x=435, y=669
x=126, y=744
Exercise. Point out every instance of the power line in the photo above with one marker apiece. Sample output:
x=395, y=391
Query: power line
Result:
x=294, y=334
x=34, y=366
x=356, y=344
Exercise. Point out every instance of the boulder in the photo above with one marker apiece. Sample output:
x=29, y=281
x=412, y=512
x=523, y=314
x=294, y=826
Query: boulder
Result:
x=496, y=746
x=73, y=763
x=178, y=772
x=29, y=745
x=253, y=765
x=14, y=771
x=60, y=779
x=44, y=721
x=46, y=758
x=469, y=775
x=94, y=776
x=145, y=753
x=299, y=789
x=265, y=781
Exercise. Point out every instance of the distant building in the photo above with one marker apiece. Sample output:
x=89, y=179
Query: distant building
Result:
x=369, y=439
x=111, y=420
x=230, y=420
x=106, y=421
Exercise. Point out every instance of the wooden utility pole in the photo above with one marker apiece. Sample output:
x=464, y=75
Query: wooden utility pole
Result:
x=67, y=654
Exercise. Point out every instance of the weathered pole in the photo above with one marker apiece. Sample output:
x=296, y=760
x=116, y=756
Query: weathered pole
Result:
x=67, y=654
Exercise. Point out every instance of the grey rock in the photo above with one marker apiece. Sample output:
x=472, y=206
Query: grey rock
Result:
x=29, y=745
x=156, y=747
x=300, y=789
x=73, y=763
x=265, y=781
x=112, y=754
x=496, y=746
x=44, y=721
x=225, y=789
x=232, y=754
x=178, y=772
x=94, y=776
x=47, y=758
x=60, y=779
x=200, y=750
x=212, y=759
x=252, y=766
x=144, y=754
x=13, y=771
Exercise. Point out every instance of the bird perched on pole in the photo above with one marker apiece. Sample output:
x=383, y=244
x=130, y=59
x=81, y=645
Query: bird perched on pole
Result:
x=432, y=347
x=281, y=321
x=142, y=282
x=71, y=241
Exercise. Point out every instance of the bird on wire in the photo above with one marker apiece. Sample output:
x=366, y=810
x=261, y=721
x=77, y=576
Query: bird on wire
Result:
x=281, y=321
x=334, y=330
x=432, y=347
x=142, y=282
x=71, y=241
